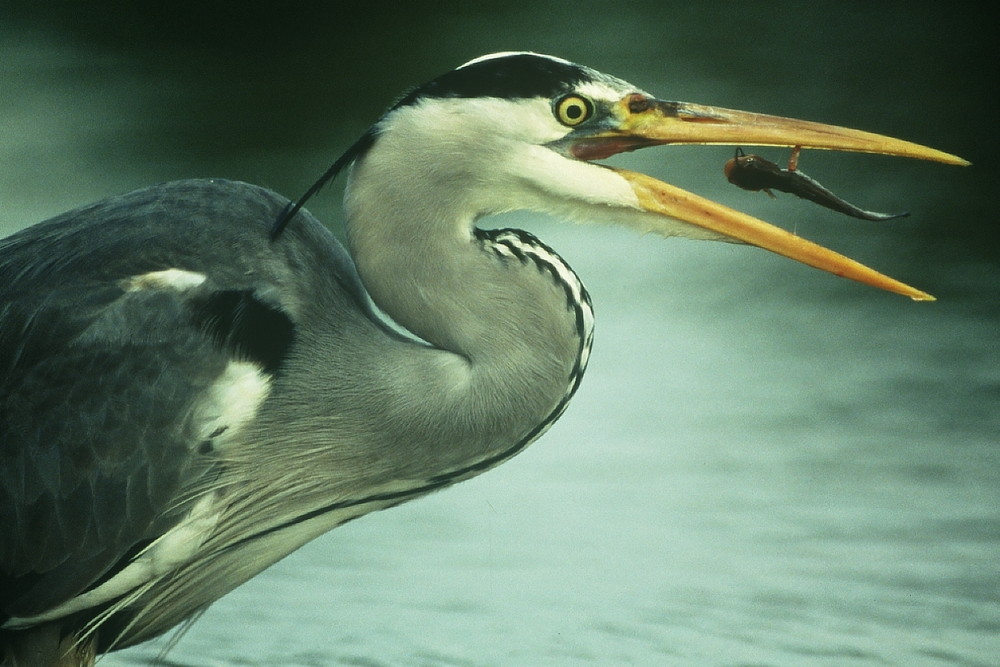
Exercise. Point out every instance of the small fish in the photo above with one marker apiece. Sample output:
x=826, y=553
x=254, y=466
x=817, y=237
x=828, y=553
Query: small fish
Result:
x=752, y=172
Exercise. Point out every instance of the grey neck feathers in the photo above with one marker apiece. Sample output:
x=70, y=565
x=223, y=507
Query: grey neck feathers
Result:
x=511, y=322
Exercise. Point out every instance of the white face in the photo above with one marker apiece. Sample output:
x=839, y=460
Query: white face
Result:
x=493, y=154
x=443, y=145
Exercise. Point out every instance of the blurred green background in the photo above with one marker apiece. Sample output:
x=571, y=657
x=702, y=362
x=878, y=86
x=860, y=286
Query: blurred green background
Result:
x=102, y=97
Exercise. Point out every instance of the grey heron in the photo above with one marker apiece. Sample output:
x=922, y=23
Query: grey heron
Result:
x=197, y=378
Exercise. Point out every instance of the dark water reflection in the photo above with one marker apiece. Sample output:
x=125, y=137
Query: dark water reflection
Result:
x=765, y=465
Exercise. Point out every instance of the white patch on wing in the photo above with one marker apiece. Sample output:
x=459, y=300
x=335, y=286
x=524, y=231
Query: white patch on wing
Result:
x=173, y=548
x=176, y=279
x=232, y=401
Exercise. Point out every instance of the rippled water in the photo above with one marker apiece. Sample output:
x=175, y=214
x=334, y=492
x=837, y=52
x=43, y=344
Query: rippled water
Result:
x=764, y=465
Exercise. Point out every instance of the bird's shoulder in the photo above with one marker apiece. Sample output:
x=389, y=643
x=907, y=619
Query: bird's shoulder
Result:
x=216, y=227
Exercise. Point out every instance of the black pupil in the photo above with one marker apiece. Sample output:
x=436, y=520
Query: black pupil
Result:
x=574, y=111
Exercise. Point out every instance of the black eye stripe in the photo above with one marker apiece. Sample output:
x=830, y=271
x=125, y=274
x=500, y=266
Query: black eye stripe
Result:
x=515, y=76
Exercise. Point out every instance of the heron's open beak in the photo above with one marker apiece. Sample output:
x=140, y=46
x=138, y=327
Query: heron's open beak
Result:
x=647, y=122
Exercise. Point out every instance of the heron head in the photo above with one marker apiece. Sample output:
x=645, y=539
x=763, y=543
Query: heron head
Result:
x=526, y=131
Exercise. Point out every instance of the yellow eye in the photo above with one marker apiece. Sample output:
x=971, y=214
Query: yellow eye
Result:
x=573, y=110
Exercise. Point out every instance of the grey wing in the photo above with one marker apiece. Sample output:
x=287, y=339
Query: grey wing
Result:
x=97, y=440
x=115, y=328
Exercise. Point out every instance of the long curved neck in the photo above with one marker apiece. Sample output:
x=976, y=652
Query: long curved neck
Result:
x=513, y=318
